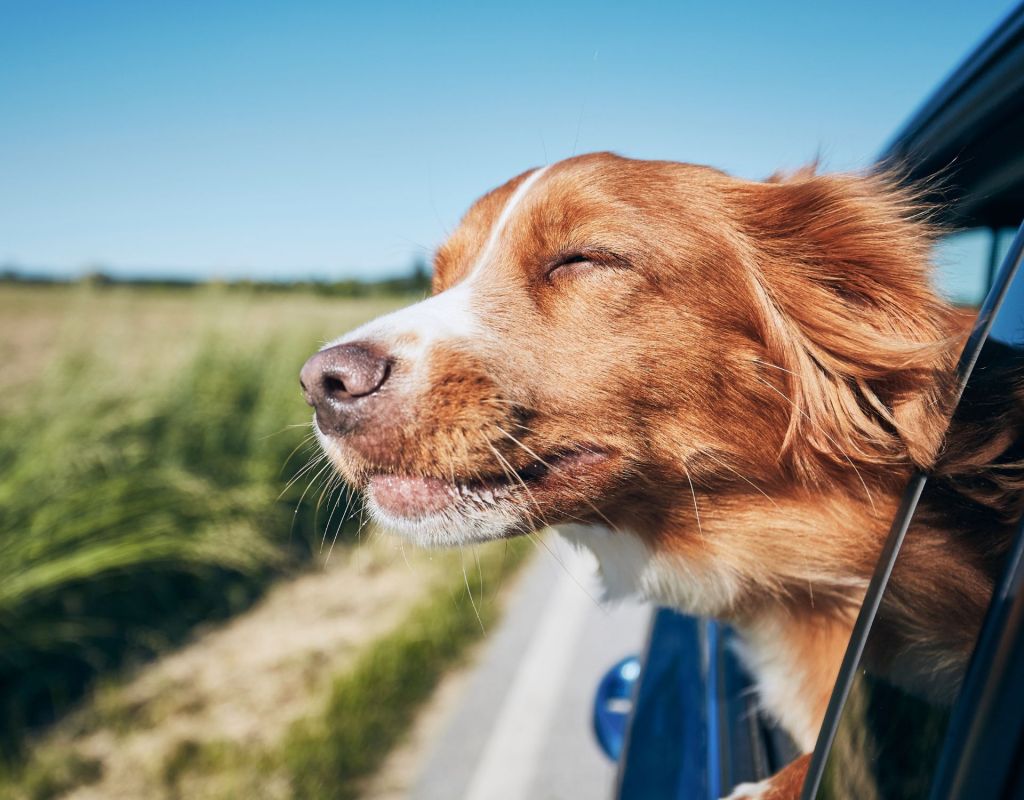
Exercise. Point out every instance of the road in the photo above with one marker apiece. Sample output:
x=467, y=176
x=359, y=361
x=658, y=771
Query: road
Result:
x=521, y=727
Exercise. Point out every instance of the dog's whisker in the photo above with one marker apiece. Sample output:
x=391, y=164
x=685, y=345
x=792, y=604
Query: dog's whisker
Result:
x=305, y=491
x=405, y=557
x=303, y=444
x=696, y=512
x=479, y=572
x=285, y=429
x=511, y=473
x=773, y=366
x=359, y=531
x=311, y=464
x=740, y=475
x=338, y=493
x=346, y=516
x=535, y=537
x=569, y=572
x=557, y=471
x=469, y=591
x=327, y=490
x=330, y=481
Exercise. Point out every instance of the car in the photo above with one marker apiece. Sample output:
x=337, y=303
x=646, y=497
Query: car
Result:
x=683, y=721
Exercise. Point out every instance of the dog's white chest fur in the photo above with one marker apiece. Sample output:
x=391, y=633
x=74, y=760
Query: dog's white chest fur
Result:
x=629, y=568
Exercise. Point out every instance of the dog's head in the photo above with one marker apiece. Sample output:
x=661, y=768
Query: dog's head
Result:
x=608, y=337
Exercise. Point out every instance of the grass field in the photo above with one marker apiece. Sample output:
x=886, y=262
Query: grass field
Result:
x=130, y=333
x=302, y=696
x=148, y=442
x=144, y=437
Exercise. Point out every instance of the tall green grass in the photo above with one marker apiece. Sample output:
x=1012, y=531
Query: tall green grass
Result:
x=132, y=510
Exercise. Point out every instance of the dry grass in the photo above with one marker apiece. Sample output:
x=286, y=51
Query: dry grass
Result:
x=137, y=334
x=245, y=707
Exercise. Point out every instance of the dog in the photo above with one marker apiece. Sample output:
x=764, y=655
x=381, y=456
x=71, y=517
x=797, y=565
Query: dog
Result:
x=719, y=386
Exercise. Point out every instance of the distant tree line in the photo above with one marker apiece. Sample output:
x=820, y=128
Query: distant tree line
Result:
x=415, y=282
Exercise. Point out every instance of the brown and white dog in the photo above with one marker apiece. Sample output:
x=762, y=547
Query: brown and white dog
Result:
x=719, y=386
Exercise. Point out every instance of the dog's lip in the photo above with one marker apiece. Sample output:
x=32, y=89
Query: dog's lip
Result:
x=416, y=496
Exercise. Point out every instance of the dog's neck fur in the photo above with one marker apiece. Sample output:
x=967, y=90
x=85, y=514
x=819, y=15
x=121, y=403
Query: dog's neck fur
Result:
x=777, y=644
x=725, y=554
x=788, y=574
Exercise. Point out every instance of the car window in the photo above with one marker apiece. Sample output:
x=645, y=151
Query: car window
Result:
x=894, y=721
x=965, y=262
x=962, y=265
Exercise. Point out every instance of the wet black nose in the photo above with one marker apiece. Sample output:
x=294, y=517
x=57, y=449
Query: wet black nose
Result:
x=335, y=378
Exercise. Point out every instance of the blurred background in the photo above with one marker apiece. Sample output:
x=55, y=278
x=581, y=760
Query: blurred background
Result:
x=193, y=197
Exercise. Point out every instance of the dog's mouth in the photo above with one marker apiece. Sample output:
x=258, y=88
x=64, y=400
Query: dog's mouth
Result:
x=414, y=497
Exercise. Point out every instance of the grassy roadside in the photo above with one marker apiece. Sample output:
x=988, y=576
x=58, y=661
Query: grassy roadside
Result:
x=359, y=715
x=128, y=520
x=373, y=705
x=369, y=707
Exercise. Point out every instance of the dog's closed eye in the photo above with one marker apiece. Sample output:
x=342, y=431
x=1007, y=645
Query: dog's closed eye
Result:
x=579, y=262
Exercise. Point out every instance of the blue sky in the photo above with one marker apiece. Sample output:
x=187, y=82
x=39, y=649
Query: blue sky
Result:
x=311, y=138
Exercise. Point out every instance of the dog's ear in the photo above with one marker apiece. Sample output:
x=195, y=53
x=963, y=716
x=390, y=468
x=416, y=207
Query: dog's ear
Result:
x=840, y=267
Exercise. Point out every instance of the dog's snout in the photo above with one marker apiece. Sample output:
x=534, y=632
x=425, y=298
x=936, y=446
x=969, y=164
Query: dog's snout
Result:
x=336, y=377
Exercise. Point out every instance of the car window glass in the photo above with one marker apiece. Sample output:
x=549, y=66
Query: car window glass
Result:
x=1004, y=238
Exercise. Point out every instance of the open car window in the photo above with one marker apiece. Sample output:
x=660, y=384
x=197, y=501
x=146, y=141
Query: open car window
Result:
x=890, y=717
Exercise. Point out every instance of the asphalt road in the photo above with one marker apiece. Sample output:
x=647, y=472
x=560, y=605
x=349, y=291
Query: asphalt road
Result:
x=521, y=728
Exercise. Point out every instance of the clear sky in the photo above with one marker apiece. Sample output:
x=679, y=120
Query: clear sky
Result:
x=298, y=138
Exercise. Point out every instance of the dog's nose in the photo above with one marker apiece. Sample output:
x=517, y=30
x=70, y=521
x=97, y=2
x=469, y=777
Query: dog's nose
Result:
x=335, y=378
